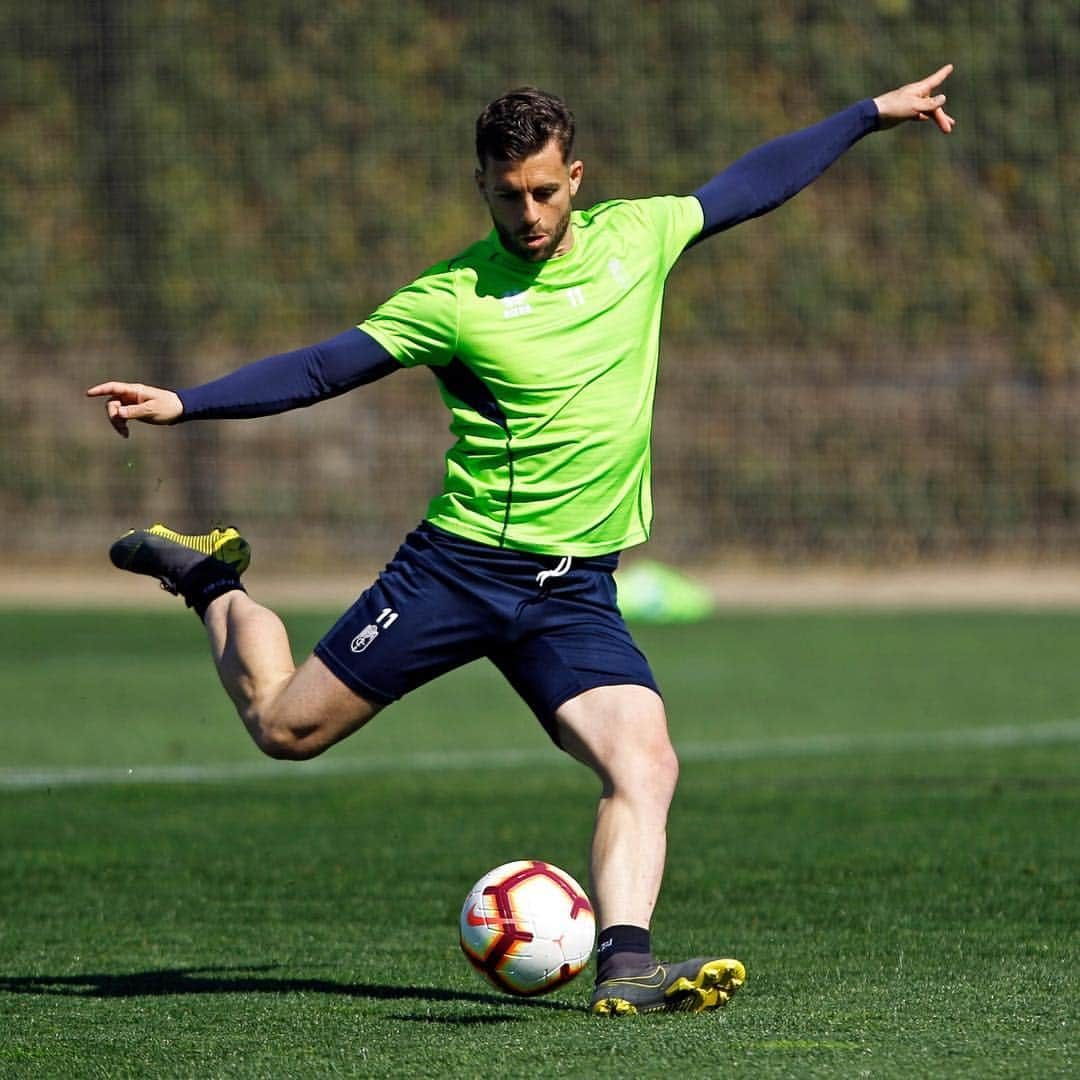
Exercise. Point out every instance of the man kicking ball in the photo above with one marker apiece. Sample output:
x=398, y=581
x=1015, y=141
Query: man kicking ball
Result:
x=544, y=339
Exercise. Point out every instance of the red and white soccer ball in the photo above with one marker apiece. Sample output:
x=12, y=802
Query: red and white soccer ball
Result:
x=527, y=927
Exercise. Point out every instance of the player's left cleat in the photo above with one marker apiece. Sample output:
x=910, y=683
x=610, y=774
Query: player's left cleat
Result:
x=693, y=986
x=171, y=556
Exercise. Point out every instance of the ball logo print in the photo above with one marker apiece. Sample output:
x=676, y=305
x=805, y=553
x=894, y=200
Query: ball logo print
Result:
x=475, y=917
x=527, y=927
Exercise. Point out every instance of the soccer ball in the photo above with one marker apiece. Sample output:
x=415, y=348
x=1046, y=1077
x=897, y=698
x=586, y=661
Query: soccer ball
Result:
x=527, y=927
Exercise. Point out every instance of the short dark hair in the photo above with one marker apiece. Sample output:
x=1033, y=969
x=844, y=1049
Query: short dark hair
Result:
x=522, y=122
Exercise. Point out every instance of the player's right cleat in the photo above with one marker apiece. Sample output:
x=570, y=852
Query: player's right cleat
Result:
x=171, y=556
x=692, y=986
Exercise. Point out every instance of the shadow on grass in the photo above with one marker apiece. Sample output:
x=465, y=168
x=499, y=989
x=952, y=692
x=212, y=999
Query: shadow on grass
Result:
x=254, y=980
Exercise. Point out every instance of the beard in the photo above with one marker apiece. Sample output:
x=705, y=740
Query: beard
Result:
x=512, y=242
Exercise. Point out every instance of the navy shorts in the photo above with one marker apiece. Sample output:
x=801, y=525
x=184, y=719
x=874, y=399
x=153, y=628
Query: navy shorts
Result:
x=551, y=625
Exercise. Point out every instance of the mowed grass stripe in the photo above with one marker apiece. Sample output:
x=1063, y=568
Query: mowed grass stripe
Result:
x=1002, y=736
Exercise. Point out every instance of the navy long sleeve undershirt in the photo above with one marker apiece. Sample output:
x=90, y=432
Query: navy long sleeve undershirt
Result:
x=291, y=380
x=770, y=174
x=753, y=185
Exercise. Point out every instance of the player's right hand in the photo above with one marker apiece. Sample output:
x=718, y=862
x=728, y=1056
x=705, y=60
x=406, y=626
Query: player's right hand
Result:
x=917, y=101
x=134, y=401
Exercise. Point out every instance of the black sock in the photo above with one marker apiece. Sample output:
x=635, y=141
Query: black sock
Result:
x=623, y=950
x=205, y=582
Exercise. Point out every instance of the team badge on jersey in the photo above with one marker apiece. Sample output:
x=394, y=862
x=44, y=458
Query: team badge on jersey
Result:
x=618, y=272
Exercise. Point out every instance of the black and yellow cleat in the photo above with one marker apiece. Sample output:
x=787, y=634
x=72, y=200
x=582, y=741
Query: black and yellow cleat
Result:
x=693, y=986
x=171, y=556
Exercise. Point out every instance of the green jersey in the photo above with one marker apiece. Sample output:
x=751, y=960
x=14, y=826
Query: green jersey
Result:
x=549, y=372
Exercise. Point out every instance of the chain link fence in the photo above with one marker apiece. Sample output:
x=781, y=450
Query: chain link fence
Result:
x=883, y=371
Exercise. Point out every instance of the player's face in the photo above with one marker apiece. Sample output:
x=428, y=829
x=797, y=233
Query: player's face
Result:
x=530, y=202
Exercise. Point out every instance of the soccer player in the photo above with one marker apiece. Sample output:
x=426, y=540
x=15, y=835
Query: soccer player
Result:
x=544, y=339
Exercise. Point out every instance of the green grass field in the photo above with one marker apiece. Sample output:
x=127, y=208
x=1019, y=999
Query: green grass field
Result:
x=878, y=814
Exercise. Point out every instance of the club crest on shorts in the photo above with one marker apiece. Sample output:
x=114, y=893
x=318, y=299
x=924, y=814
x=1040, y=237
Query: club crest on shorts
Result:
x=387, y=617
x=364, y=638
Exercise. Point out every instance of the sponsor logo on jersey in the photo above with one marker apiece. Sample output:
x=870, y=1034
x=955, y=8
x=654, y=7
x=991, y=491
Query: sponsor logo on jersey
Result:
x=516, y=304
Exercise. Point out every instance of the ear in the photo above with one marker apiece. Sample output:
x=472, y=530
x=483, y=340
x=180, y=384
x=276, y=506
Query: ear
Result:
x=480, y=186
x=576, y=171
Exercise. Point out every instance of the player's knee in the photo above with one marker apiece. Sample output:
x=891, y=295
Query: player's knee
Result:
x=646, y=769
x=283, y=741
x=664, y=768
x=281, y=746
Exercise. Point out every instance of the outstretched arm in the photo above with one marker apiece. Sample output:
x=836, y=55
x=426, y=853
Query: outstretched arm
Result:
x=286, y=381
x=771, y=174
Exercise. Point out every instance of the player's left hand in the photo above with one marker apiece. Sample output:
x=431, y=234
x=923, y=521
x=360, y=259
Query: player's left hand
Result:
x=916, y=101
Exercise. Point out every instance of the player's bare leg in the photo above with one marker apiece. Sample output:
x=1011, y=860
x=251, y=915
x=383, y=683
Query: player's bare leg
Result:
x=621, y=733
x=291, y=713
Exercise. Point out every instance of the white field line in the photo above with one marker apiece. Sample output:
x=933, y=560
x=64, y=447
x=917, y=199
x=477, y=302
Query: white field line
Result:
x=1065, y=731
